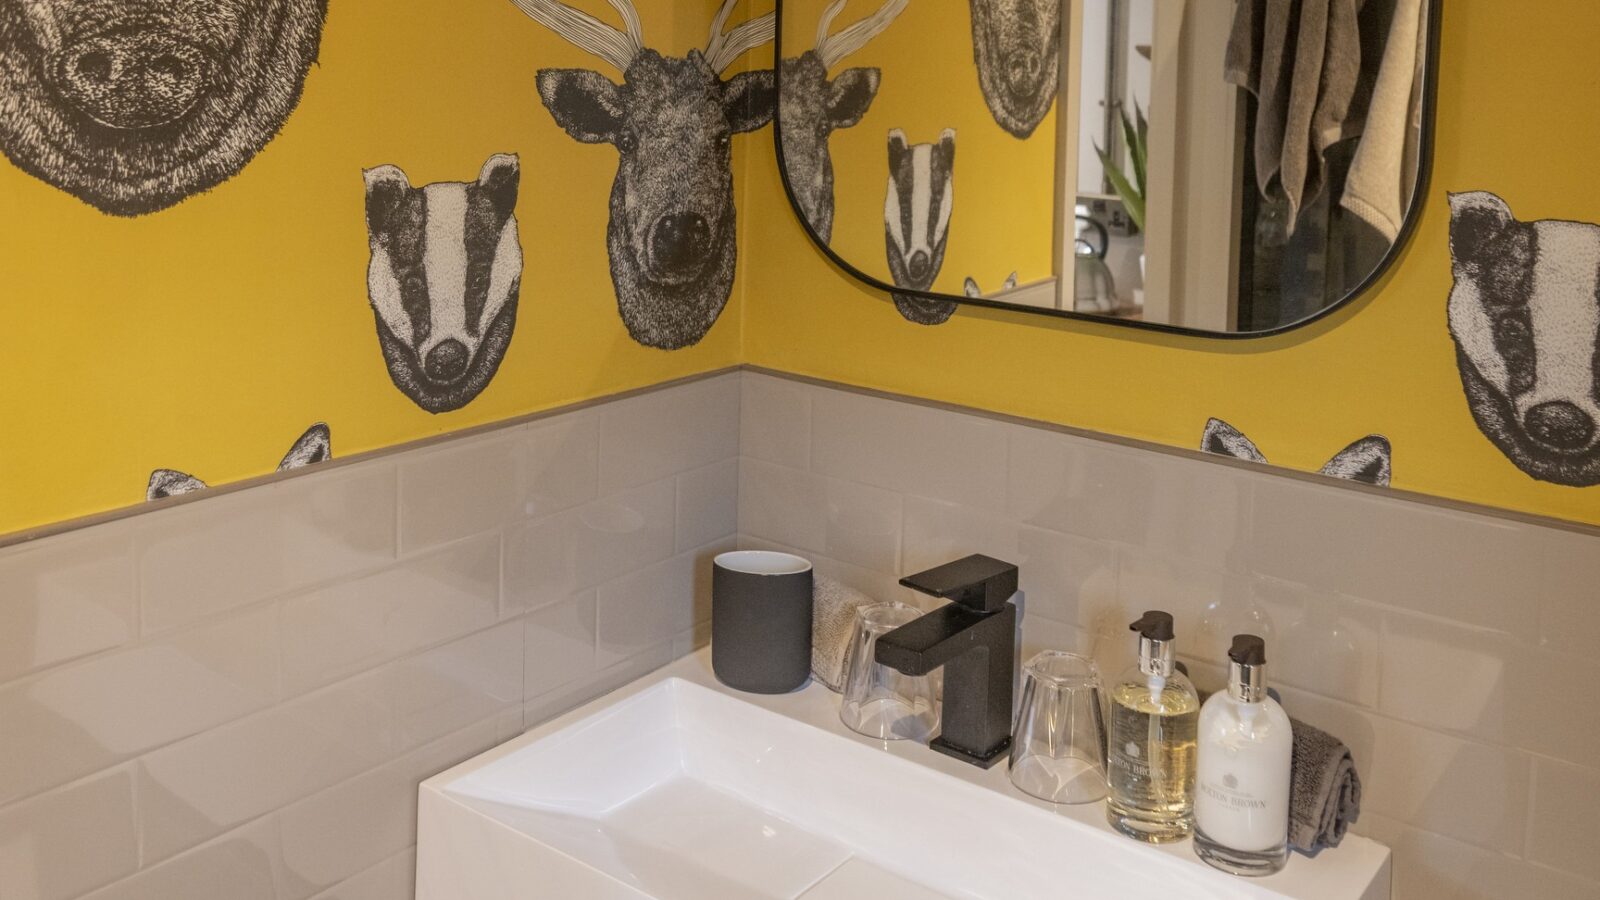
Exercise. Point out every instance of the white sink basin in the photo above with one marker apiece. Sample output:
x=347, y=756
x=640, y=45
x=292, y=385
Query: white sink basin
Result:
x=675, y=787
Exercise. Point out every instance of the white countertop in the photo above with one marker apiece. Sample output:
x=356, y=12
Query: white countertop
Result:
x=1358, y=867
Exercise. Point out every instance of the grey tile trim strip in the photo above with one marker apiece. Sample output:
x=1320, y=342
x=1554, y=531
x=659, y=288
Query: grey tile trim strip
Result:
x=338, y=462
x=1186, y=453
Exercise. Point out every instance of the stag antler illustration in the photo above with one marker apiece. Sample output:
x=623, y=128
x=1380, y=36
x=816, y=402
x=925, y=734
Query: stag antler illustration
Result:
x=726, y=47
x=832, y=48
x=610, y=44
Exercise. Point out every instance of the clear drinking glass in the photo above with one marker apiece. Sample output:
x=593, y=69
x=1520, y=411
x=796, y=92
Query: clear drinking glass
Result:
x=881, y=702
x=1058, y=750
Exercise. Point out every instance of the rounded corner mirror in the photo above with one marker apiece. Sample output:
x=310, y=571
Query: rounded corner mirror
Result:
x=1200, y=167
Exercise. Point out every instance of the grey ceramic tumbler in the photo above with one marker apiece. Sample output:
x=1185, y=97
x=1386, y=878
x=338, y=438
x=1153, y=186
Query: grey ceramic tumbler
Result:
x=761, y=621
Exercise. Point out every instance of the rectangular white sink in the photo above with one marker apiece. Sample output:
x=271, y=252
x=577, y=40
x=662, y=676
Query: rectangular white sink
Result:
x=677, y=788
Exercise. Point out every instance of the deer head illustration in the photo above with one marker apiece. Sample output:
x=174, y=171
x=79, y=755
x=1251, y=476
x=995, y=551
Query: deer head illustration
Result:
x=813, y=106
x=671, y=237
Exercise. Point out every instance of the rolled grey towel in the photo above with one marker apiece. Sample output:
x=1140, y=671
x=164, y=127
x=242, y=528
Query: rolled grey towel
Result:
x=1325, y=791
x=833, y=620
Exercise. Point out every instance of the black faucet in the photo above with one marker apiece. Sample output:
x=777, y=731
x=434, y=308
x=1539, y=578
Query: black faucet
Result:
x=974, y=638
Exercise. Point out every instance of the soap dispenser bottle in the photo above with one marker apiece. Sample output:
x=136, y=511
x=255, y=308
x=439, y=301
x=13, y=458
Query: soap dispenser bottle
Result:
x=1241, y=805
x=1151, y=748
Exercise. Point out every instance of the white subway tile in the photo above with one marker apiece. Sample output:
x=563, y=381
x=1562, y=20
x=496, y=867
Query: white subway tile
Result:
x=785, y=505
x=936, y=532
x=360, y=822
x=336, y=631
x=708, y=504
x=654, y=605
x=1067, y=483
x=392, y=879
x=661, y=433
x=1448, y=677
x=1434, y=867
x=241, y=865
x=559, y=645
x=204, y=785
x=61, y=844
x=1461, y=789
x=1208, y=606
x=483, y=482
x=1542, y=713
x=863, y=525
x=1566, y=818
x=1326, y=643
x=550, y=559
x=202, y=558
x=775, y=420
x=65, y=597
x=75, y=719
x=1570, y=575
x=1468, y=568
x=909, y=448
x=1061, y=574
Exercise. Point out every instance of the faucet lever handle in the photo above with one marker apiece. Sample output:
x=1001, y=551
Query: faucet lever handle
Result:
x=979, y=582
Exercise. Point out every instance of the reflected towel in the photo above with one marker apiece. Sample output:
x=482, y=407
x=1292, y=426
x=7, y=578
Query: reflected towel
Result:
x=1302, y=60
x=833, y=621
x=1325, y=791
x=1384, y=173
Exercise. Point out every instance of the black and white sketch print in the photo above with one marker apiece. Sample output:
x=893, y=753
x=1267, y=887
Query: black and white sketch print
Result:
x=1366, y=460
x=315, y=446
x=1017, y=47
x=134, y=105
x=671, y=236
x=444, y=278
x=971, y=289
x=1525, y=316
x=916, y=220
x=813, y=107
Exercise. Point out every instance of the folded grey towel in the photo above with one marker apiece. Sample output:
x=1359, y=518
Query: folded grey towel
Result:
x=833, y=620
x=1325, y=791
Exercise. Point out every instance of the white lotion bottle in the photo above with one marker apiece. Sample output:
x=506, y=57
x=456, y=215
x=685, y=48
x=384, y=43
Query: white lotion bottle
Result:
x=1241, y=800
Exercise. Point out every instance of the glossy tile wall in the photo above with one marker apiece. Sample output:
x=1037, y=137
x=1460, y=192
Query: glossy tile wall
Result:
x=1453, y=651
x=236, y=698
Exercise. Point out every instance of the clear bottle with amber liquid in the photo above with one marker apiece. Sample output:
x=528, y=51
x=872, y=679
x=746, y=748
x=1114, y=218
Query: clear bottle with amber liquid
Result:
x=1150, y=750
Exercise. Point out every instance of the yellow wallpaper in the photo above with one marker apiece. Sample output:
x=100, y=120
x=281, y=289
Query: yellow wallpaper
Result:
x=1004, y=210
x=208, y=336
x=1515, y=117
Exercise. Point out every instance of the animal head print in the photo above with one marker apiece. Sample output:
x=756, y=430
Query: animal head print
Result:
x=134, y=105
x=444, y=277
x=1366, y=460
x=813, y=107
x=971, y=289
x=1017, y=47
x=916, y=220
x=671, y=235
x=313, y=447
x=1525, y=316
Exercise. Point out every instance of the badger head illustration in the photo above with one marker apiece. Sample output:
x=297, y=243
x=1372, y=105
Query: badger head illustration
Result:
x=444, y=278
x=1366, y=460
x=1017, y=47
x=916, y=220
x=315, y=446
x=134, y=105
x=1525, y=316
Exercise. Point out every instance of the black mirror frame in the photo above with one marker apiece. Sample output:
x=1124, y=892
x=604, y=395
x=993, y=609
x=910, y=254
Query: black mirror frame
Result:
x=1430, y=99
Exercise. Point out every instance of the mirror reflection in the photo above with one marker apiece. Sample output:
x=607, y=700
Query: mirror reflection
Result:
x=1221, y=165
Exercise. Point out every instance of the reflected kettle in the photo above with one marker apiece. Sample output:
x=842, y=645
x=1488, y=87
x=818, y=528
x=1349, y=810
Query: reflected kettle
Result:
x=1093, y=289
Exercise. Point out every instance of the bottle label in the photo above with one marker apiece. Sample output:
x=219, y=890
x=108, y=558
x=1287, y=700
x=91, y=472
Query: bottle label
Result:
x=1228, y=794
